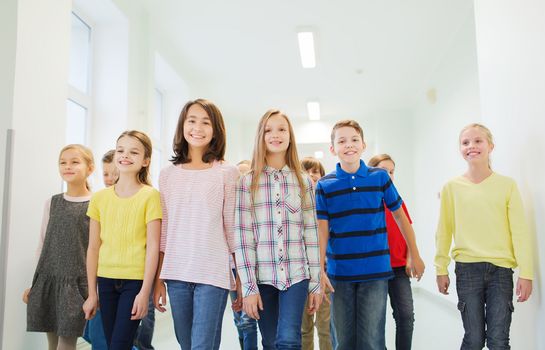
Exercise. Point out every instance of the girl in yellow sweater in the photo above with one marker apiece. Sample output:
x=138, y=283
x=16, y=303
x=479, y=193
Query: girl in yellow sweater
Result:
x=482, y=211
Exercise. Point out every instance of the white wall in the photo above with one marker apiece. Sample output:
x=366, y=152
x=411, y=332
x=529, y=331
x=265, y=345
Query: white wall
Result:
x=437, y=124
x=39, y=108
x=511, y=56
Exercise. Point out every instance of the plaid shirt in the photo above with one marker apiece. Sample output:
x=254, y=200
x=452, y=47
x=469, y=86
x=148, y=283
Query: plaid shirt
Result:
x=277, y=236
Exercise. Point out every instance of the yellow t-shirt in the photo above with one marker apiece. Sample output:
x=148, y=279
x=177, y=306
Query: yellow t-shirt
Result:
x=487, y=222
x=123, y=223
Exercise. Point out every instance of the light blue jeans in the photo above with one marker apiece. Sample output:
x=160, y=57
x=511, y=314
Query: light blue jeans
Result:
x=359, y=314
x=197, y=311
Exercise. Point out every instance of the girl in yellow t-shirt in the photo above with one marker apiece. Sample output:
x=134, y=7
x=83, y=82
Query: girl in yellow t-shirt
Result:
x=124, y=243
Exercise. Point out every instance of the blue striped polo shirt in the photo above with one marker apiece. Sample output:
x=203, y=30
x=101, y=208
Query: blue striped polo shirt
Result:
x=357, y=249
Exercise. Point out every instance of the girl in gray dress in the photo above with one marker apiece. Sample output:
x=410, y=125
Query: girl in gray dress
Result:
x=59, y=286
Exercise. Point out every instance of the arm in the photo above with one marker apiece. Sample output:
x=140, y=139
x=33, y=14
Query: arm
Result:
x=323, y=231
x=310, y=238
x=246, y=249
x=407, y=231
x=522, y=244
x=141, y=302
x=312, y=248
x=91, y=304
x=159, y=289
x=43, y=229
x=443, y=241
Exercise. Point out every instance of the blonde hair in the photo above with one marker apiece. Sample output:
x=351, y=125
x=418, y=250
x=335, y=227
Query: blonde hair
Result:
x=260, y=152
x=346, y=122
x=375, y=160
x=143, y=175
x=85, y=153
x=486, y=131
x=312, y=163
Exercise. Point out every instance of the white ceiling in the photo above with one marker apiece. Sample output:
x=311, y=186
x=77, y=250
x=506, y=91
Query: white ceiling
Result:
x=372, y=55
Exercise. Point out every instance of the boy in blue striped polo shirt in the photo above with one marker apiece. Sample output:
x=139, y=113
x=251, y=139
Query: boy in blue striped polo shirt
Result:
x=350, y=208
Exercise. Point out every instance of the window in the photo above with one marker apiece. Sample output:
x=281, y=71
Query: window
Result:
x=156, y=134
x=78, y=104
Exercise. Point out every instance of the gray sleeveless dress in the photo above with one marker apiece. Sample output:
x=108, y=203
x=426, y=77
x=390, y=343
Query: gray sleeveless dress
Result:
x=59, y=287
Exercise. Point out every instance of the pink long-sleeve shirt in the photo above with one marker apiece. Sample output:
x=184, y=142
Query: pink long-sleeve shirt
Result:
x=198, y=221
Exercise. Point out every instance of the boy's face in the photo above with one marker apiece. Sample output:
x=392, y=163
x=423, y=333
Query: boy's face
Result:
x=348, y=145
x=109, y=174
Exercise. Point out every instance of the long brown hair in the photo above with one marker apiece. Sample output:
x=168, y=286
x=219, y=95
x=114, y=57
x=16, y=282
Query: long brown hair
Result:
x=216, y=147
x=143, y=175
x=260, y=153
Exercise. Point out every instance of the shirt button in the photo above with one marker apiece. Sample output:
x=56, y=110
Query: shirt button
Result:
x=278, y=212
x=353, y=177
x=354, y=188
x=278, y=194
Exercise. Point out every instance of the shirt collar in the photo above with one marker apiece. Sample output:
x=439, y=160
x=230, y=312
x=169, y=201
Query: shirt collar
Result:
x=283, y=172
x=362, y=171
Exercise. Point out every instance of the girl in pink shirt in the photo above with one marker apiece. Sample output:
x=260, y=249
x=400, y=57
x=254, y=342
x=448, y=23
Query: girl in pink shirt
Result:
x=198, y=200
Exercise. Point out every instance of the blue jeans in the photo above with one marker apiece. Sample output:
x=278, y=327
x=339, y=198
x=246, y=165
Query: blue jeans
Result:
x=116, y=301
x=94, y=333
x=144, y=333
x=401, y=300
x=197, y=311
x=485, y=301
x=359, y=314
x=246, y=327
x=282, y=315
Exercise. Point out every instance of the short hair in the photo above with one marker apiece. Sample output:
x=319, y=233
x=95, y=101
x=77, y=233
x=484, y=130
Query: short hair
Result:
x=346, y=122
x=379, y=158
x=108, y=157
x=312, y=163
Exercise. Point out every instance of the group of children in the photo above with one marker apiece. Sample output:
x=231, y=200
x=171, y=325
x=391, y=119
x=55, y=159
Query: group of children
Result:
x=297, y=241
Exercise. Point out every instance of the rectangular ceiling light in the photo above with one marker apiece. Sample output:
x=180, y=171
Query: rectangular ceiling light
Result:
x=313, y=109
x=306, y=49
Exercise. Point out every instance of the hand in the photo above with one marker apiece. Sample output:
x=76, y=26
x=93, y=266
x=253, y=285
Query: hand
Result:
x=524, y=289
x=417, y=267
x=409, y=266
x=251, y=305
x=443, y=282
x=160, y=296
x=314, y=301
x=140, y=306
x=25, y=295
x=325, y=286
x=90, y=307
x=236, y=305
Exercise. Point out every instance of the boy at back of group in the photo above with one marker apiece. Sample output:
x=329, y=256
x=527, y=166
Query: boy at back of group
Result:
x=351, y=223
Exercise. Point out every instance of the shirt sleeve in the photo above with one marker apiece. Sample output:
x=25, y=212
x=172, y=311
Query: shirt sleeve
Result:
x=164, y=222
x=443, y=235
x=391, y=196
x=520, y=236
x=310, y=236
x=230, y=177
x=321, y=203
x=92, y=211
x=153, y=207
x=245, y=251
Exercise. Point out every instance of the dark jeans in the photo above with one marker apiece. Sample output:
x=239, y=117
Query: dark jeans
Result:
x=144, y=334
x=116, y=301
x=401, y=300
x=359, y=314
x=282, y=315
x=485, y=300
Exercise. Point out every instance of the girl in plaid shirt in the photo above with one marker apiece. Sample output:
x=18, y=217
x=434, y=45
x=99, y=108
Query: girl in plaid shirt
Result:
x=276, y=236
